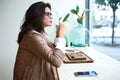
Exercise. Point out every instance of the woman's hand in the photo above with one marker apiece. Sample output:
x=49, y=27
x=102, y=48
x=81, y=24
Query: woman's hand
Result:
x=61, y=30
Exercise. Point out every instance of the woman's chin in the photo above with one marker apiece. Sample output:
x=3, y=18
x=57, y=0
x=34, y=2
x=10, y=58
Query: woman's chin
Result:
x=49, y=24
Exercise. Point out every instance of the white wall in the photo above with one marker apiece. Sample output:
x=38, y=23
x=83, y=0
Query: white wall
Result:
x=11, y=15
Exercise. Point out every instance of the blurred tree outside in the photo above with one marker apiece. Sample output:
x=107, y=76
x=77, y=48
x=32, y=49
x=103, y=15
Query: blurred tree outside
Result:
x=114, y=6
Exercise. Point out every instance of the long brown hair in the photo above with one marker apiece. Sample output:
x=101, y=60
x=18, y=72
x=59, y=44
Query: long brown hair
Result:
x=33, y=19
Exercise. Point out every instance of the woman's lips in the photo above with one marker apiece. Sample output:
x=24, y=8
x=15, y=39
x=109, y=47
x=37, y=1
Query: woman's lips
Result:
x=51, y=21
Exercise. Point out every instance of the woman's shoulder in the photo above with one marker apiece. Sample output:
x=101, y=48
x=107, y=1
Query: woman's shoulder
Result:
x=35, y=33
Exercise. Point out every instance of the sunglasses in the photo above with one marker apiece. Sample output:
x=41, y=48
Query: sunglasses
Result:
x=49, y=14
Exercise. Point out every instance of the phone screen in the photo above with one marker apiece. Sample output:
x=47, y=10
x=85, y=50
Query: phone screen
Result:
x=85, y=73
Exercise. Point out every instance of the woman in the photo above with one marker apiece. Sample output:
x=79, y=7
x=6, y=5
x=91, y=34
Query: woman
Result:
x=36, y=54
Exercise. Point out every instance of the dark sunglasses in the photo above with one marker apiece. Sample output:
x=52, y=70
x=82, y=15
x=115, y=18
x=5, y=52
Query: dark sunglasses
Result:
x=49, y=14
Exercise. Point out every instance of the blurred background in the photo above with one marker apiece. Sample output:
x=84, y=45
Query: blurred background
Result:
x=98, y=21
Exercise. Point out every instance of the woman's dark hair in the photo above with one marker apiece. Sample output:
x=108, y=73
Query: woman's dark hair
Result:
x=33, y=19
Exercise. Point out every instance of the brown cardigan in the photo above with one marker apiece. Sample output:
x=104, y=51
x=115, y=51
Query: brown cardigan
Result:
x=35, y=57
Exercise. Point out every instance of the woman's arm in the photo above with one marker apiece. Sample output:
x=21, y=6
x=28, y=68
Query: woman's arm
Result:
x=36, y=43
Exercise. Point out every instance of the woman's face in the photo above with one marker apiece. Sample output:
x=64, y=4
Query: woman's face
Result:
x=47, y=19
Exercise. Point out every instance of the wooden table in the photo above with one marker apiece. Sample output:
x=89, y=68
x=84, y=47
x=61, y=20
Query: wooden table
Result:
x=106, y=67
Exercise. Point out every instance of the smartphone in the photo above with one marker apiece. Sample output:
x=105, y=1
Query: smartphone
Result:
x=86, y=73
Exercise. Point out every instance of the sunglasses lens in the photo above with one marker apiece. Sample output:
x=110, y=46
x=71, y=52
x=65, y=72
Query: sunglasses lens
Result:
x=48, y=14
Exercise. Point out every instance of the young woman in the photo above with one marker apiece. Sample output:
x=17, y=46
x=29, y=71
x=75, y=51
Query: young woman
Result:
x=36, y=54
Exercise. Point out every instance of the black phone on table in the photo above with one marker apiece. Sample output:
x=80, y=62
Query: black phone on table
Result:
x=85, y=73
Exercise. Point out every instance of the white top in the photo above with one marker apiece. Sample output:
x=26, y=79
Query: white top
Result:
x=60, y=44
